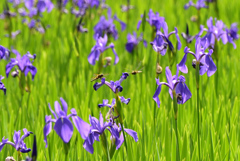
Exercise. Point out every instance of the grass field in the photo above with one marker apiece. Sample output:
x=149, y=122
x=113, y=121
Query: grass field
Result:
x=63, y=71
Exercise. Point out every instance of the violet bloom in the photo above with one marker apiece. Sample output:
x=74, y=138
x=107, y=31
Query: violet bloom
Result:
x=202, y=58
x=15, y=2
x=2, y=87
x=63, y=126
x=114, y=86
x=4, y=52
x=232, y=34
x=43, y=5
x=200, y=4
x=96, y=129
x=18, y=144
x=176, y=85
x=105, y=102
x=29, y=4
x=153, y=19
x=23, y=63
x=99, y=48
x=13, y=34
x=119, y=138
x=105, y=26
x=162, y=40
x=216, y=32
x=133, y=40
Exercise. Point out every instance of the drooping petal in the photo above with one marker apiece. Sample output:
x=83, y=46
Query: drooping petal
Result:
x=64, y=129
x=47, y=129
x=156, y=94
x=211, y=66
x=82, y=127
x=132, y=133
x=93, y=57
x=182, y=65
x=169, y=76
x=2, y=144
x=88, y=146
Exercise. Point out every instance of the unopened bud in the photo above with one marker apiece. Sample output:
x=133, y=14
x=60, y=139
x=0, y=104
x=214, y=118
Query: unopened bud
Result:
x=194, y=63
x=194, y=18
x=15, y=73
x=108, y=61
x=10, y=159
x=159, y=69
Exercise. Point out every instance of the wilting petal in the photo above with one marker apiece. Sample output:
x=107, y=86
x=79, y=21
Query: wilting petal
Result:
x=82, y=127
x=64, y=129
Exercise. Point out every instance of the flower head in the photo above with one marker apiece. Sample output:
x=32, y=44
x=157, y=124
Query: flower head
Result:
x=96, y=129
x=176, y=85
x=23, y=63
x=161, y=40
x=63, y=126
x=154, y=20
x=114, y=86
x=202, y=58
x=200, y=4
x=133, y=40
x=18, y=143
x=99, y=48
x=106, y=26
x=4, y=52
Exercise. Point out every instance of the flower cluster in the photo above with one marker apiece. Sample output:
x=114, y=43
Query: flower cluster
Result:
x=18, y=143
x=23, y=63
x=63, y=126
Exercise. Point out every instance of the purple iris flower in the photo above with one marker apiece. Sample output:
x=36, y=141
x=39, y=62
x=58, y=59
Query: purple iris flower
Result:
x=200, y=4
x=231, y=34
x=15, y=2
x=43, y=5
x=2, y=87
x=114, y=86
x=23, y=63
x=63, y=126
x=176, y=85
x=133, y=40
x=187, y=36
x=105, y=102
x=105, y=26
x=13, y=34
x=4, y=52
x=204, y=60
x=18, y=144
x=99, y=48
x=216, y=32
x=119, y=138
x=161, y=40
x=153, y=19
x=29, y=4
x=96, y=129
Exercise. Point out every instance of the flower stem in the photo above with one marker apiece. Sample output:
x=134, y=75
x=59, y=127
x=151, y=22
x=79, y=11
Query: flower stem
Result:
x=175, y=105
x=198, y=110
x=105, y=146
x=100, y=63
x=119, y=111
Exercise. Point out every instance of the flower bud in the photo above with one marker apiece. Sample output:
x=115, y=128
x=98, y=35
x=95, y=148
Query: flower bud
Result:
x=159, y=69
x=10, y=159
x=108, y=61
x=15, y=73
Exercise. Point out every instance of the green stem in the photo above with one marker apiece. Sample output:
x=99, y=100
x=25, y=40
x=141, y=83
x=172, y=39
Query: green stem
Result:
x=175, y=105
x=105, y=146
x=198, y=110
x=198, y=18
x=100, y=63
x=10, y=32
